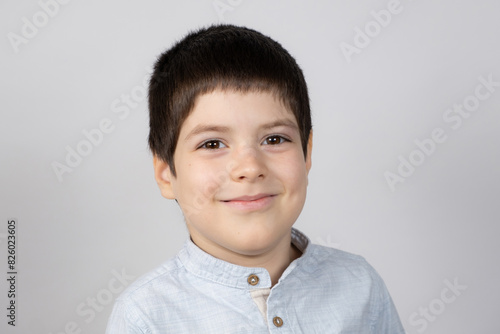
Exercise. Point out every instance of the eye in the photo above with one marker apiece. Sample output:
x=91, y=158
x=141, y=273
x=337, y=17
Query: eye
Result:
x=212, y=144
x=275, y=140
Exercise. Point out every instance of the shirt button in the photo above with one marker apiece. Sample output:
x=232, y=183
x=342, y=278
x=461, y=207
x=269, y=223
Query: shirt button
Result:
x=253, y=279
x=277, y=321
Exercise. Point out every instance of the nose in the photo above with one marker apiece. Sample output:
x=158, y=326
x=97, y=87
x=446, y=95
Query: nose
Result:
x=247, y=164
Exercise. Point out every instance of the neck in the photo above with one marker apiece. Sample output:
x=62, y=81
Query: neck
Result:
x=274, y=260
x=275, y=263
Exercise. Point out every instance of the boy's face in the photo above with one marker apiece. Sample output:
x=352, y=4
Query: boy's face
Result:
x=241, y=174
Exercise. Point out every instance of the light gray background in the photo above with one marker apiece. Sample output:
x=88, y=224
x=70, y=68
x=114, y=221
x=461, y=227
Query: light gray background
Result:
x=440, y=225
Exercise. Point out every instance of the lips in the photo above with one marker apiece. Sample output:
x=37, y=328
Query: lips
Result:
x=248, y=198
x=250, y=203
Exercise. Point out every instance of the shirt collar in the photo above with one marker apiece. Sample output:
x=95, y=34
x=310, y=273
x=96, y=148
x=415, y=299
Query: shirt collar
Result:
x=207, y=267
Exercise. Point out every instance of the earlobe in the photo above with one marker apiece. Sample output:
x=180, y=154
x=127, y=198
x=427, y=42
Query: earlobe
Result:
x=164, y=177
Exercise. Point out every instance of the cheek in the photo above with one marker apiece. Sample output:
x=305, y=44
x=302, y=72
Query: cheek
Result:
x=292, y=170
x=200, y=180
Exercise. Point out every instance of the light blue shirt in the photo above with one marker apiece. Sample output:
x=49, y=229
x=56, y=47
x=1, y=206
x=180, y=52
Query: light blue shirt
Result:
x=323, y=291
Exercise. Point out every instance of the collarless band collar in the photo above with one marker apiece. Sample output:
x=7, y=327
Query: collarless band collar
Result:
x=207, y=267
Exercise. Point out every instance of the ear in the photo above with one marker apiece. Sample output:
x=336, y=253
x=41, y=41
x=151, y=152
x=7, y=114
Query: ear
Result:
x=164, y=177
x=309, y=151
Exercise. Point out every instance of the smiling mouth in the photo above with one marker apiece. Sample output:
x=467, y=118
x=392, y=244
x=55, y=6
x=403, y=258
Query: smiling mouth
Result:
x=249, y=198
x=250, y=203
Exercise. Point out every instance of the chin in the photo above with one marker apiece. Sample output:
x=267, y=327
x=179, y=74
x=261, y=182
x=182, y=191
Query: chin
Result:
x=256, y=243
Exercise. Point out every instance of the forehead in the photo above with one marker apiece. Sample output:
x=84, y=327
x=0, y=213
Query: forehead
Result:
x=230, y=106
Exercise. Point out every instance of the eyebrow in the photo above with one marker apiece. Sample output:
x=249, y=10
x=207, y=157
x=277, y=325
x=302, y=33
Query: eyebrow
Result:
x=281, y=122
x=206, y=128
x=202, y=128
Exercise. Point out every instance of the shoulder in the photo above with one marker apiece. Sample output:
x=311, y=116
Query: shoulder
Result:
x=158, y=279
x=342, y=278
x=332, y=257
x=321, y=258
x=341, y=268
x=145, y=299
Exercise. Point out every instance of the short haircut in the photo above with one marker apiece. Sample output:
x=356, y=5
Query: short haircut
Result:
x=224, y=57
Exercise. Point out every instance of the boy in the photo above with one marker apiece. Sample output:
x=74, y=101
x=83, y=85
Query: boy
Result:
x=230, y=132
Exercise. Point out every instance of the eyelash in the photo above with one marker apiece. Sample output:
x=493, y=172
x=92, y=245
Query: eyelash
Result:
x=203, y=145
x=281, y=139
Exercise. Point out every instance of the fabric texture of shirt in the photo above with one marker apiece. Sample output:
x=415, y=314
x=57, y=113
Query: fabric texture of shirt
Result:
x=324, y=291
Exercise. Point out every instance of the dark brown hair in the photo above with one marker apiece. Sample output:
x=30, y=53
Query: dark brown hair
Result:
x=222, y=57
